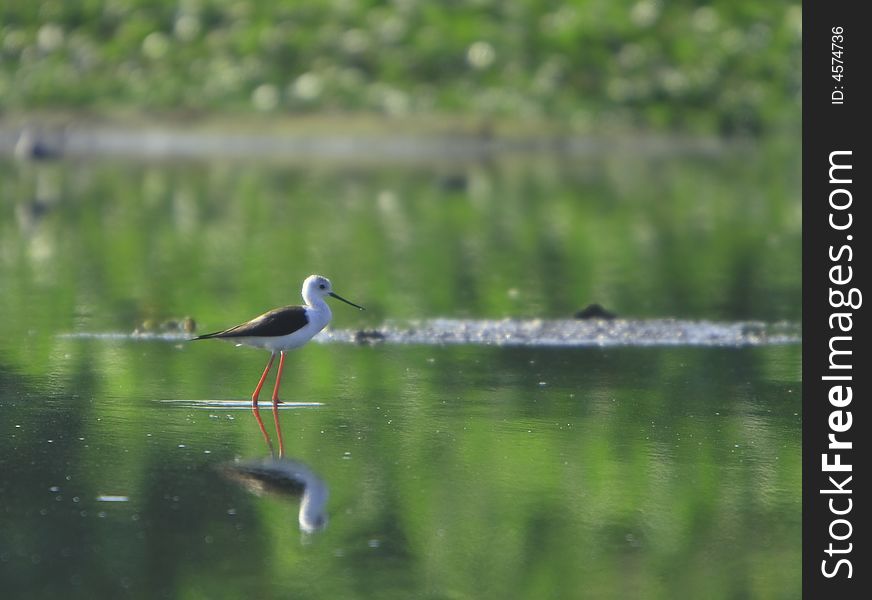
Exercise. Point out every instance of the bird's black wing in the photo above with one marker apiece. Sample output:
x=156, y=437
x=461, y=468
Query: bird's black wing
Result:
x=275, y=323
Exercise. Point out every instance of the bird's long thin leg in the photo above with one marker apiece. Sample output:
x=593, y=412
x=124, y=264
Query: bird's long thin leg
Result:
x=256, y=393
x=254, y=408
x=275, y=399
x=275, y=396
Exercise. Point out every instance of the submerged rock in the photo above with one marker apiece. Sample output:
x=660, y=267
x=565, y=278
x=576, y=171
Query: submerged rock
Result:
x=150, y=326
x=595, y=311
x=369, y=336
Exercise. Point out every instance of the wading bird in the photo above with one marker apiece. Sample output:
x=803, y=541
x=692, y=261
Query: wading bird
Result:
x=283, y=329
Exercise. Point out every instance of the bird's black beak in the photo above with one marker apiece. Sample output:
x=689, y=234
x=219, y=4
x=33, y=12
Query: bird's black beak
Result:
x=338, y=297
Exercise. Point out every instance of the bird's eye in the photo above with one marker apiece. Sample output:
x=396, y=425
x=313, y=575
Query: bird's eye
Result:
x=322, y=286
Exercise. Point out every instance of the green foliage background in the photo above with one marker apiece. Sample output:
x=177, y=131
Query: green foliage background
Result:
x=725, y=67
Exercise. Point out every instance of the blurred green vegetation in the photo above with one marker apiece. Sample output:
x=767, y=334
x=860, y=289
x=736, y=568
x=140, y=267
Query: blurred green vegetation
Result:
x=709, y=237
x=725, y=67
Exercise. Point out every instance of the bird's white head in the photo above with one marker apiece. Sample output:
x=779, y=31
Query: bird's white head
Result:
x=317, y=287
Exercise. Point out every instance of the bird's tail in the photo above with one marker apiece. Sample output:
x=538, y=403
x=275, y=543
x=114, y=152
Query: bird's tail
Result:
x=206, y=336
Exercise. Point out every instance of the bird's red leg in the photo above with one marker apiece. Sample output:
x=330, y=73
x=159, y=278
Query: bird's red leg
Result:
x=275, y=399
x=275, y=396
x=254, y=402
x=262, y=379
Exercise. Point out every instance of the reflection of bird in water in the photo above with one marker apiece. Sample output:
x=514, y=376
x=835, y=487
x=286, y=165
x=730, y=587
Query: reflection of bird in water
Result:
x=285, y=477
x=283, y=329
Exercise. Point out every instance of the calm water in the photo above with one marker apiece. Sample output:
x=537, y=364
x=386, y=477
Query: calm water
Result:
x=454, y=471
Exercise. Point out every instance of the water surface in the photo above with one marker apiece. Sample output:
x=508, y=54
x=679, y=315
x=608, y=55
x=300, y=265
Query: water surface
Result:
x=456, y=467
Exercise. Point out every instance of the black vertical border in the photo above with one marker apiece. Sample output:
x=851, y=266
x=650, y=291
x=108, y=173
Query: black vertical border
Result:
x=829, y=127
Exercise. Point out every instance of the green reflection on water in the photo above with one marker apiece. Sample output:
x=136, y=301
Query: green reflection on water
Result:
x=454, y=472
